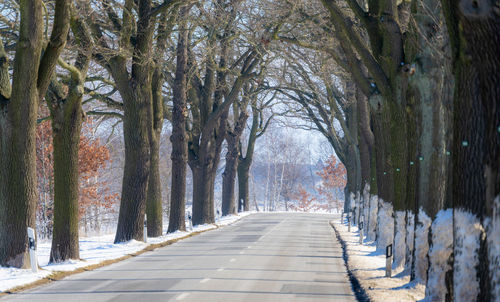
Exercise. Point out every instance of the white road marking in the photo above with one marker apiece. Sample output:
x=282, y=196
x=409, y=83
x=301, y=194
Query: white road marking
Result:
x=232, y=260
x=182, y=296
x=205, y=280
x=249, y=247
x=220, y=269
x=241, y=252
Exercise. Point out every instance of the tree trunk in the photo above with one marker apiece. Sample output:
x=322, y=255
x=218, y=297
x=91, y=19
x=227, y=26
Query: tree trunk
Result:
x=18, y=188
x=474, y=30
x=232, y=156
x=243, y=187
x=203, y=211
x=154, y=207
x=228, y=178
x=179, y=136
x=67, y=125
x=136, y=129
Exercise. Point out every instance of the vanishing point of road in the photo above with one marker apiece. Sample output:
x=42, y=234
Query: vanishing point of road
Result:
x=262, y=257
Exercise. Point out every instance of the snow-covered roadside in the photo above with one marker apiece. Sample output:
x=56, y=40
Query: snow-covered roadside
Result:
x=368, y=266
x=95, y=250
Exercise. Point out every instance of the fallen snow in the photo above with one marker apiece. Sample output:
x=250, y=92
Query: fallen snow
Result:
x=399, y=240
x=368, y=266
x=468, y=231
x=372, y=228
x=410, y=238
x=94, y=250
x=439, y=255
x=422, y=246
x=385, y=225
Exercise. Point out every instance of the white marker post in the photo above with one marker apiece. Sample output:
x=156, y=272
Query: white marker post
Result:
x=32, y=248
x=145, y=231
x=388, y=261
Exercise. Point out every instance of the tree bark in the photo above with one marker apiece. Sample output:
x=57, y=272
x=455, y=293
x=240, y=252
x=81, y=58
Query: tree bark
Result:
x=474, y=30
x=18, y=189
x=154, y=208
x=137, y=98
x=229, y=175
x=243, y=187
x=66, y=128
x=179, y=136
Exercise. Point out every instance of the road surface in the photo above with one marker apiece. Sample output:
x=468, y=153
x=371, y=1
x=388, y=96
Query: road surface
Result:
x=263, y=257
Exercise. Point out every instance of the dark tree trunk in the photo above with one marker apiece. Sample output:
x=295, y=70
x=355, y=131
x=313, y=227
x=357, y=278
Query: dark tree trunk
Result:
x=229, y=177
x=179, y=136
x=474, y=30
x=243, y=187
x=203, y=183
x=66, y=142
x=67, y=117
x=154, y=208
x=18, y=189
x=232, y=156
x=136, y=130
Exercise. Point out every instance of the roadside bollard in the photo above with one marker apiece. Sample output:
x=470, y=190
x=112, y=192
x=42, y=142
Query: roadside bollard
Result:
x=32, y=248
x=145, y=231
x=388, y=261
x=360, y=225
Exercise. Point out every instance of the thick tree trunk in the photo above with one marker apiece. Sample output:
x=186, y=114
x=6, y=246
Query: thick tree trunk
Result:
x=474, y=30
x=136, y=130
x=228, y=178
x=17, y=141
x=154, y=208
x=232, y=157
x=66, y=142
x=179, y=136
x=203, y=183
x=136, y=170
x=243, y=187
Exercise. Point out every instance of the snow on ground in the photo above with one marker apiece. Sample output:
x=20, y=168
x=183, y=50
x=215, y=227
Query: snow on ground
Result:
x=94, y=250
x=368, y=266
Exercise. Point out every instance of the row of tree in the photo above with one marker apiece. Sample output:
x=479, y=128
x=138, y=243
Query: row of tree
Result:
x=140, y=62
x=407, y=94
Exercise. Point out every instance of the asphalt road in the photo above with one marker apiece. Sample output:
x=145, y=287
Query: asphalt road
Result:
x=263, y=257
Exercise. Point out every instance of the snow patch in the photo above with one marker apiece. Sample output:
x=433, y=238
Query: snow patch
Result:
x=468, y=231
x=358, y=207
x=439, y=255
x=372, y=228
x=385, y=225
x=368, y=266
x=422, y=246
x=410, y=238
x=493, y=237
x=399, y=240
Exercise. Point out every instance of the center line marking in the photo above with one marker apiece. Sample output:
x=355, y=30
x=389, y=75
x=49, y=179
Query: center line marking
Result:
x=220, y=269
x=182, y=296
x=205, y=280
x=241, y=252
x=232, y=260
